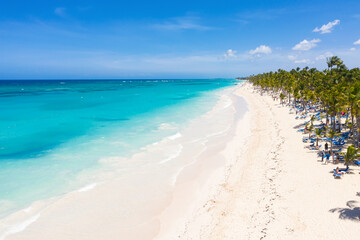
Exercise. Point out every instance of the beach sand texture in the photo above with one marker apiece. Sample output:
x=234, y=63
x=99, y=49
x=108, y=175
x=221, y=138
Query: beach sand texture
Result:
x=276, y=188
x=269, y=187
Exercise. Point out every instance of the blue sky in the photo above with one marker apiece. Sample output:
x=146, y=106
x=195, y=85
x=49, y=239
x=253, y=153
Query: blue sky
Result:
x=173, y=39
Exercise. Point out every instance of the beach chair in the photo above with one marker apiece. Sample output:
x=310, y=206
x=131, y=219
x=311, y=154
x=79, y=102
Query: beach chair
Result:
x=339, y=150
x=339, y=142
x=315, y=148
x=337, y=175
x=346, y=170
x=357, y=162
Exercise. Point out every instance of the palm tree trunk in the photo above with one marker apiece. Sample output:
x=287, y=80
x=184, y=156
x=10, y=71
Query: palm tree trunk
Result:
x=357, y=128
x=331, y=144
x=352, y=120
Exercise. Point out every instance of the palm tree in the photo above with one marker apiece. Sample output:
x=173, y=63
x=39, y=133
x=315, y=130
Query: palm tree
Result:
x=350, y=155
x=310, y=129
x=312, y=119
x=334, y=90
x=332, y=134
x=318, y=132
x=282, y=97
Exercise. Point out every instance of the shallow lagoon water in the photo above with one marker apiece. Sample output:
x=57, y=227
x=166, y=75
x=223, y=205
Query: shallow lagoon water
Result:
x=53, y=134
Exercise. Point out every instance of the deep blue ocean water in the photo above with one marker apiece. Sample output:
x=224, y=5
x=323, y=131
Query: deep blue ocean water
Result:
x=53, y=134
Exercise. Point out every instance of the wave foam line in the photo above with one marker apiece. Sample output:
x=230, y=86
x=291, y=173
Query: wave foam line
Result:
x=228, y=102
x=172, y=156
x=87, y=187
x=178, y=172
x=19, y=227
x=175, y=136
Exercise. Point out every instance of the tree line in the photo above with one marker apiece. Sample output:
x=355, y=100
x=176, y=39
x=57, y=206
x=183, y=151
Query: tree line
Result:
x=334, y=91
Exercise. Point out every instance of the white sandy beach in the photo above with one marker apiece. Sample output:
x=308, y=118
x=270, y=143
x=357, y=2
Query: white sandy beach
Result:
x=251, y=178
x=275, y=188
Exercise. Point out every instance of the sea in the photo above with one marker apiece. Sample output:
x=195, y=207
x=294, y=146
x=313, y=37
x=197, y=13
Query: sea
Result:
x=55, y=134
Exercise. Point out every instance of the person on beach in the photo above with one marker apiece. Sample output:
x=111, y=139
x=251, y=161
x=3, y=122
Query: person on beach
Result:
x=322, y=155
x=333, y=156
x=337, y=171
x=327, y=158
x=337, y=158
x=326, y=146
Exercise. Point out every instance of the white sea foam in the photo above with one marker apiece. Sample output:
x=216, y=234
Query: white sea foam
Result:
x=218, y=133
x=166, y=126
x=87, y=187
x=28, y=209
x=228, y=102
x=172, y=156
x=19, y=227
x=175, y=136
x=155, y=143
x=177, y=173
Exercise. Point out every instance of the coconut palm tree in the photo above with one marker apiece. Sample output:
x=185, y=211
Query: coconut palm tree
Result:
x=350, y=155
x=318, y=132
x=282, y=97
x=332, y=134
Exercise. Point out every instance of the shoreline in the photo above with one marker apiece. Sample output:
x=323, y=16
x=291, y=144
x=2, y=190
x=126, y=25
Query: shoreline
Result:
x=175, y=222
x=107, y=206
x=259, y=183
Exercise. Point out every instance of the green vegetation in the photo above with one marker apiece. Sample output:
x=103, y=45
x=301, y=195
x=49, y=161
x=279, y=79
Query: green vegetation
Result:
x=335, y=90
x=350, y=155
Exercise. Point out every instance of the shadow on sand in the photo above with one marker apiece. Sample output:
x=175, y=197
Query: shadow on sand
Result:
x=351, y=212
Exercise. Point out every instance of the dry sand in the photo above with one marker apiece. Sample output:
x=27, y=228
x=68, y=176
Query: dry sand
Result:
x=275, y=188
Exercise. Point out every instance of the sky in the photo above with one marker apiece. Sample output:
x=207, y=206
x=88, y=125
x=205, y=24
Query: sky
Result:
x=78, y=39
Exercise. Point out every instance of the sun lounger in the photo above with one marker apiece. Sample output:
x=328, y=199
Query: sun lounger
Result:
x=314, y=147
x=346, y=170
x=337, y=175
x=339, y=150
x=339, y=142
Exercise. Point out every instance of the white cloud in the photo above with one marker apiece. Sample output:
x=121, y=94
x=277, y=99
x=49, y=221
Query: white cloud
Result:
x=292, y=57
x=60, y=11
x=306, y=45
x=261, y=49
x=357, y=42
x=324, y=56
x=182, y=23
x=327, y=28
x=352, y=49
x=302, y=61
x=230, y=54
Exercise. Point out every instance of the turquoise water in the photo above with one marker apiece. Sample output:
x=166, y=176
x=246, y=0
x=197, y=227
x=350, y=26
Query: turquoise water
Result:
x=53, y=134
